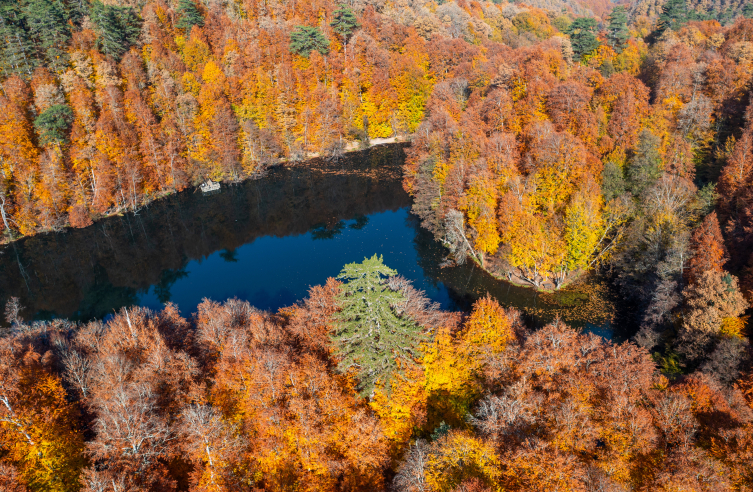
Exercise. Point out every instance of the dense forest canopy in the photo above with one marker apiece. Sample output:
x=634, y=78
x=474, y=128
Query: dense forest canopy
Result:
x=237, y=399
x=544, y=144
x=724, y=11
x=109, y=105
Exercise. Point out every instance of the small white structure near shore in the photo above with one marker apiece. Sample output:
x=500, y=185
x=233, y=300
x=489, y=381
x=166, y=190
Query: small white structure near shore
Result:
x=209, y=185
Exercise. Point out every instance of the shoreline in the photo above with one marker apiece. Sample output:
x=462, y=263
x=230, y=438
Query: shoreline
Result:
x=350, y=148
x=519, y=281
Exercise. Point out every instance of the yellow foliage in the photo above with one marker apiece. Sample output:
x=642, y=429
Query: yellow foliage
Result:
x=412, y=83
x=16, y=147
x=190, y=83
x=258, y=100
x=453, y=365
x=441, y=169
x=447, y=384
x=40, y=434
x=487, y=331
x=519, y=89
x=461, y=456
x=450, y=380
x=599, y=56
x=631, y=58
x=202, y=148
x=375, y=109
x=673, y=103
x=617, y=156
x=583, y=229
x=195, y=53
x=213, y=75
x=480, y=205
x=533, y=244
x=733, y=326
x=535, y=22
x=403, y=409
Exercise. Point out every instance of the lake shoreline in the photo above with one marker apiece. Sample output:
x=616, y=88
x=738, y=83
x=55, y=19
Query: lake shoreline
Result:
x=350, y=148
x=266, y=241
x=520, y=281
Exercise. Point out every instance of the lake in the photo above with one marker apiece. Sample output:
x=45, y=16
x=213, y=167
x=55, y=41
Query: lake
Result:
x=266, y=241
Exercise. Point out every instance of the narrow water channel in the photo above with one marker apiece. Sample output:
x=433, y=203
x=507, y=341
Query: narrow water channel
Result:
x=265, y=241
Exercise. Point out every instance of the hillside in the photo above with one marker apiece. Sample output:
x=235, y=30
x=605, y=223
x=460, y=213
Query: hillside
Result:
x=541, y=148
x=724, y=11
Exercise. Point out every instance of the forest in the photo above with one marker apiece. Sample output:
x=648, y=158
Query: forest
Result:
x=309, y=398
x=547, y=141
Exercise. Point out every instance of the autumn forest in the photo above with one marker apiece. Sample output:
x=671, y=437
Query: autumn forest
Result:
x=545, y=143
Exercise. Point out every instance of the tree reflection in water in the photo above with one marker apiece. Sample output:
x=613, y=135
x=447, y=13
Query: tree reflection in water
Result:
x=88, y=273
x=266, y=241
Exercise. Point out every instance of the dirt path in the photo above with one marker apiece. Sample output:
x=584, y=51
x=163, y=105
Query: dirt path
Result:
x=382, y=141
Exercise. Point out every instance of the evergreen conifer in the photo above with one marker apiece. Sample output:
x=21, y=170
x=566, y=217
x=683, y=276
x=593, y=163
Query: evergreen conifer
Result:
x=52, y=125
x=344, y=22
x=189, y=15
x=371, y=337
x=306, y=39
x=644, y=167
x=47, y=25
x=583, y=36
x=17, y=49
x=674, y=14
x=118, y=28
x=617, y=32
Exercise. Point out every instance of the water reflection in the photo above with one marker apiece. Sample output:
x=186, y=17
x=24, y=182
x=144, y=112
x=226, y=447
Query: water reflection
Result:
x=264, y=241
x=88, y=273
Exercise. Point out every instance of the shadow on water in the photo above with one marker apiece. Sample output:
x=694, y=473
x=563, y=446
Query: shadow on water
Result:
x=267, y=242
x=88, y=273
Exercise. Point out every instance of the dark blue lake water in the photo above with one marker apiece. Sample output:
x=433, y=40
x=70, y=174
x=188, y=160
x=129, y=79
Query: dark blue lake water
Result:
x=273, y=272
x=266, y=241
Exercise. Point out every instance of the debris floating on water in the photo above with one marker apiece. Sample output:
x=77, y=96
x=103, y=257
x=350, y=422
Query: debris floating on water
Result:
x=209, y=185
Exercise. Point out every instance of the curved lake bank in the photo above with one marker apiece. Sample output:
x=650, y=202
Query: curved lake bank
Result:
x=265, y=241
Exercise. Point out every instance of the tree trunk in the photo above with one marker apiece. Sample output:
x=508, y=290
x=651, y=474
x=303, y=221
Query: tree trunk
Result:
x=3, y=214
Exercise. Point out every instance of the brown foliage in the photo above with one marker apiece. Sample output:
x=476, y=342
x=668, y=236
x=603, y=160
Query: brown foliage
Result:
x=79, y=217
x=709, y=253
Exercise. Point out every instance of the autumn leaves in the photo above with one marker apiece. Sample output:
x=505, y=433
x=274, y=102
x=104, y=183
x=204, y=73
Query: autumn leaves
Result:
x=517, y=159
x=108, y=126
x=363, y=382
x=240, y=398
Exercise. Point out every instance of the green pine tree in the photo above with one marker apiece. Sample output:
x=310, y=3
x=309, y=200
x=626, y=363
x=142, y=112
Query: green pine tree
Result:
x=77, y=10
x=582, y=34
x=726, y=17
x=370, y=335
x=344, y=22
x=306, y=39
x=748, y=10
x=617, y=31
x=47, y=22
x=117, y=27
x=189, y=15
x=674, y=14
x=16, y=50
x=612, y=181
x=52, y=125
